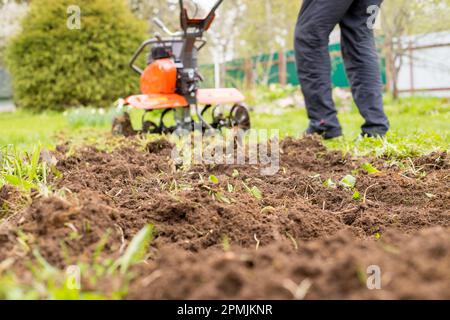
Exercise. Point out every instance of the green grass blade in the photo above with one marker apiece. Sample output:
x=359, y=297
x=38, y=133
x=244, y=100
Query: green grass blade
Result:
x=137, y=248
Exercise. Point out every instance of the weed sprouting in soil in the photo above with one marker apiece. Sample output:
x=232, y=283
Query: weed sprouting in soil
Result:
x=137, y=249
x=49, y=282
x=22, y=169
x=254, y=191
x=226, y=243
x=348, y=181
x=369, y=168
x=213, y=179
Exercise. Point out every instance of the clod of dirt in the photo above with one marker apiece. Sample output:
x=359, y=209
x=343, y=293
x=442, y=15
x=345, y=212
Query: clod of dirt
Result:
x=435, y=160
x=55, y=225
x=122, y=126
x=5, y=194
x=158, y=146
x=11, y=199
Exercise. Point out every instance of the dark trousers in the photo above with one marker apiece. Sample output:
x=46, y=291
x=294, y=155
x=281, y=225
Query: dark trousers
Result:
x=316, y=21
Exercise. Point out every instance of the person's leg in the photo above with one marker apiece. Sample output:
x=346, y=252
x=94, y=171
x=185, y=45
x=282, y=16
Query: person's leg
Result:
x=362, y=65
x=316, y=20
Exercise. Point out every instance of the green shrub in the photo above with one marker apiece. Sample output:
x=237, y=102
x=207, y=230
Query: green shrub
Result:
x=56, y=68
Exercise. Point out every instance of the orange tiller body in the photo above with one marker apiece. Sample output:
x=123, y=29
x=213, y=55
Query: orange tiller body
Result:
x=160, y=77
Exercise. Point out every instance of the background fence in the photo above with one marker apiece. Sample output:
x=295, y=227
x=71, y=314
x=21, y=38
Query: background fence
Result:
x=425, y=69
x=426, y=66
x=278, y=67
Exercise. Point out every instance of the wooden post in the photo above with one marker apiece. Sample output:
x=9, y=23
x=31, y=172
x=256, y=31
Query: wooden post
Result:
x=411, y=67
x=248, y=70
x=282, y=67
x=388, y=59
x=217, y=75
x=223, y=74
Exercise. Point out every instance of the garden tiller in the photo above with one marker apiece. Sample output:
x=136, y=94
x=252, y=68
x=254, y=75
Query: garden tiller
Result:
x=171, y=80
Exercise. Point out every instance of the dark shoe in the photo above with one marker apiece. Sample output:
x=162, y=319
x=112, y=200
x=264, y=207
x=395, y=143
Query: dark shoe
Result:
x=327, y=135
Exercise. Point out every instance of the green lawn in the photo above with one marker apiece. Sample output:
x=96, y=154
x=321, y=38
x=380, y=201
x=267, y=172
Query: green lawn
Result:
x=419, y=125
x=25, y=129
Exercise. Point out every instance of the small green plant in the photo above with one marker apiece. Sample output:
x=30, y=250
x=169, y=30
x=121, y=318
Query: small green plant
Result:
x=329, y=183
x=254, y=191
x=137, y=248
x=174, y=186
x=215, y=191
x=226, y=243
x=348, y=181
x=369, y=168
x=356, y=195
x=214, y=179
x=220, y=197
x=101, y=245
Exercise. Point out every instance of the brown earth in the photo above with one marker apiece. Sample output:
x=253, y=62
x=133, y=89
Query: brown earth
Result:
x=11, y=199
x=302, y=239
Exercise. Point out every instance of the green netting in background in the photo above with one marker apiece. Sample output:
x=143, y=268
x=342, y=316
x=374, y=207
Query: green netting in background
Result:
x=235, y=70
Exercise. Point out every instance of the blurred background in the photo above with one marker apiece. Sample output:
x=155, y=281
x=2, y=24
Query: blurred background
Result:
x=252, y=42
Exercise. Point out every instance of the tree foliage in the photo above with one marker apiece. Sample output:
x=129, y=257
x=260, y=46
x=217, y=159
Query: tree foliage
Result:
x=10, y=14
x=56, y=67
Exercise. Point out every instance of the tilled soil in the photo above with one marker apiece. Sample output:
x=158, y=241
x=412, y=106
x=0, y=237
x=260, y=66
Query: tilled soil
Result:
x=302, y=239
